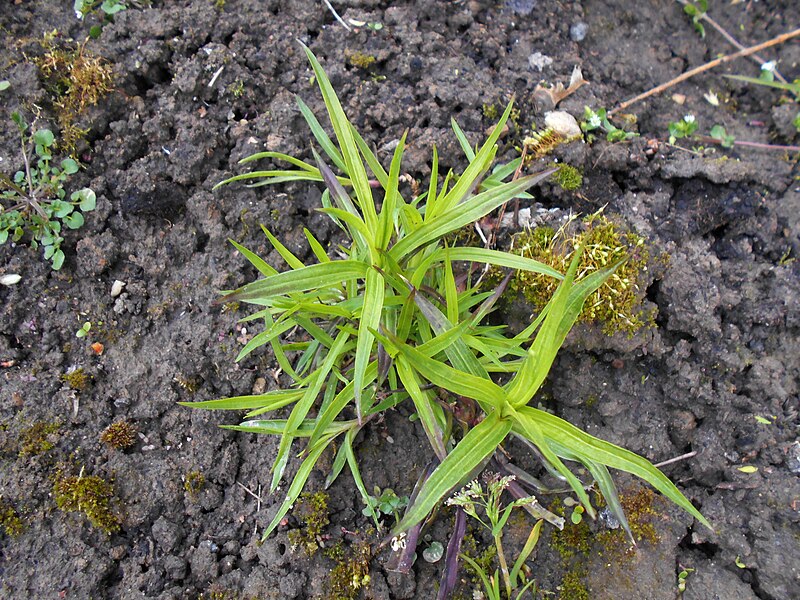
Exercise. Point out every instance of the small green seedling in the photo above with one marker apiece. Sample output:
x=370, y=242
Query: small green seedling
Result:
x=103, y=10
x=682, y=129
x=84, y=330
x=725, y=140
x=34, y=202
x=682, y=577
x=697, y=12
x=598, y=121
x=385, y=502
x=4, y=85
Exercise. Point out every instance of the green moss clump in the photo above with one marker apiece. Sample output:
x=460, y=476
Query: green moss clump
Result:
x=119, y=435
x=10, y=520
x=312, y=510
x=77, y=79
x=617, y=304
x=568, y=178
x=37, y=438
x=572, y=586
x=193, y=483
x=351, y=573
x=640, y=511
x=360, y=60
x=77, y=379
x=90, y=495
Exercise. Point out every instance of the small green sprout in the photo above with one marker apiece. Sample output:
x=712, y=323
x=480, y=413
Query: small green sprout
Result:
x=4, y=85
x=598, y=121
x=682, y=577
x=34, y=202
x=103, y=10
x=385, y=502
x=725, y=140
x=697, y=12
x=84, y=330
x=683, y=128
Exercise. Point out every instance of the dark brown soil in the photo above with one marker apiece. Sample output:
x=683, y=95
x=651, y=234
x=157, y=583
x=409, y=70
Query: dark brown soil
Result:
x=717, y=375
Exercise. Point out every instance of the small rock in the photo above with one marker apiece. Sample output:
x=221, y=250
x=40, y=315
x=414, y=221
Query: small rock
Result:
x=537, y=60
x=578, y=31
x=563, y=123
x=116, y=288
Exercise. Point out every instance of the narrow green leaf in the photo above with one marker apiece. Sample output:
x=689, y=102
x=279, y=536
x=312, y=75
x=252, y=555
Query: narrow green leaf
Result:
x=423, y=404
x=258, y=262
x=297, y=485
x=303, y=405
x=266, y=336
x=344, y=134
x=477, y=446
x=356, y=473
x=340, y=401
x=466, y=147
x=530, y=544
x=372, y=160
x=374, y=291
x=391, y=198
x=316, y=247
x=464, y=214
x=271, y=400
x=300, y=280
x=498, y=258
x=610, y=455
x=286, y=254
x=321, y=136
x=280, y=156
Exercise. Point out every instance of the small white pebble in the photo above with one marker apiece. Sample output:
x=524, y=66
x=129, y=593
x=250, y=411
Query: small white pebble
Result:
x=116, y=288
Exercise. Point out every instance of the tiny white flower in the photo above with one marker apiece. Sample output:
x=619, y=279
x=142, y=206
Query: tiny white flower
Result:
x=688, y=119
x=595, y=121
x=399, y=542
x=768, y=66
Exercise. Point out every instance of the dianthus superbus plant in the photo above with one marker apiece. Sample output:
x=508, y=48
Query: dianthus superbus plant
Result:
x=398, y=316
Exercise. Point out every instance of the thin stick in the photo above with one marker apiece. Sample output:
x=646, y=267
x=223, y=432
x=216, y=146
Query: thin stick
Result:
x=710, y=140
x=709, y=65
x=732, y=40
x=335, y=14
x=676, y=459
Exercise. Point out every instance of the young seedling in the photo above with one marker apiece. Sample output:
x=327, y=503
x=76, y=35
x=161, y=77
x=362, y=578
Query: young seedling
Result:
x=682, y=129
x=34, y=203
x=598, y=121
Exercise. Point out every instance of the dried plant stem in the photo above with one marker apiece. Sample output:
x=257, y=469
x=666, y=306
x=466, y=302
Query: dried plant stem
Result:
x=709, y=65
x=336, y=15
x=676, y=459
x=732, y=40
x=710, y=140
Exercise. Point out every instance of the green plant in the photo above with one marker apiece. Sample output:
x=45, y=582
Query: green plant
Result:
x=104, y=10
x=598, y=121
x=473, y=498
x=725, y=140
x=385, y=502
x=34, y=203
x=84, y=330
x=391, y=321
x=697, y=12
x=90, y=495
x=682, y=129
